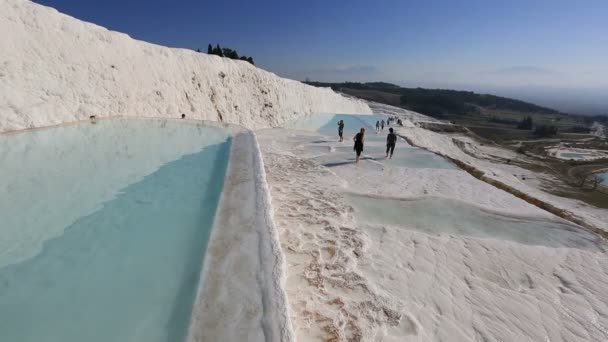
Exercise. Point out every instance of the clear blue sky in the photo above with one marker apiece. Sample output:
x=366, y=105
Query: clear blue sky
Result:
x=447, y=42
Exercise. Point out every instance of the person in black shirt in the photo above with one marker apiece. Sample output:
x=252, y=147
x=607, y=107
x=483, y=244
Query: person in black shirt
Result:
x=391, y=140
x=341, y=130
x=358, y=139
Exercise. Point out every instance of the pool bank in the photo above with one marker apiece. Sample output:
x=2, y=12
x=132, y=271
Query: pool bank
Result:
x=105, y=233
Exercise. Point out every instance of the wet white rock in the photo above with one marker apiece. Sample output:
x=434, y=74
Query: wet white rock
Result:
x=56, y=69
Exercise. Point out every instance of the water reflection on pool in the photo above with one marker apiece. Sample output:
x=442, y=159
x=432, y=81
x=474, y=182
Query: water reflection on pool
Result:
x=104, y=228
x=433, y=215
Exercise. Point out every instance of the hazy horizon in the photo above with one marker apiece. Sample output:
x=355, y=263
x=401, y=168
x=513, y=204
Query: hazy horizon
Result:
x=581, y=101
x=551, y=52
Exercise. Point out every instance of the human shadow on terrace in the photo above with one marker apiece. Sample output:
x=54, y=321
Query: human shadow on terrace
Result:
x=351, y=161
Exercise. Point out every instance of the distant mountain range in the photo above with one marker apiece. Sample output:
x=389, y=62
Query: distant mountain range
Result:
x=433, y=102
x=574, y=100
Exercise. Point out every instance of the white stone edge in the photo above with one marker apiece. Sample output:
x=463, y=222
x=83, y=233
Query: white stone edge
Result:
x=275, y=298
x=275, y=324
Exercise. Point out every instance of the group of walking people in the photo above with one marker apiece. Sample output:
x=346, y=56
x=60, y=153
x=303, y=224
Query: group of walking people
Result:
x=359, y=139
x=380, y=123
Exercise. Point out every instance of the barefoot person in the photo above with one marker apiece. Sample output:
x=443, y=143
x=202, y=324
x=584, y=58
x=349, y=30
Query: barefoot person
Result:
x=341, y=130
x=377, y=126
x=382, y=125
x=391, y=140
x=358, y=139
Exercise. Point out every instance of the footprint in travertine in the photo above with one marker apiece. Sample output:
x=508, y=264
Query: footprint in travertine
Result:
x=407, y=326
x=323, y=245
x=327, y=253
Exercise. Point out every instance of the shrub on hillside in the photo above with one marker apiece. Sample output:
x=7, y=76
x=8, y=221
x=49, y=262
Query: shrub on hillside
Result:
x=502, y=121
x=226, y=52
x=430, y=110
x=545, y=131
x=525, y=123
x=578, y=129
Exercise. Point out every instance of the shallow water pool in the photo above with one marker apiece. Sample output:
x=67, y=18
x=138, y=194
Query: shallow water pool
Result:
x=572, y=155
x=433, y=215
x=105, y=227
x=327, y=124
x=375, y=142
x=604, y=178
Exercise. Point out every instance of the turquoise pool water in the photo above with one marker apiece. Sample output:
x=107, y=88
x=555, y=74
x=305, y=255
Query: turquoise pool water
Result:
x=327, y=124
x=604, y=178
x=105, y=228
x=445, y=216
x=572, y=155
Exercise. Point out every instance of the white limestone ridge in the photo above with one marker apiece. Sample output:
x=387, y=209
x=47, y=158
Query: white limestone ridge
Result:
x=56, y=69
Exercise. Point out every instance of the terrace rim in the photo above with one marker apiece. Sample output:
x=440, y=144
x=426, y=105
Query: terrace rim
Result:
x=240, y=293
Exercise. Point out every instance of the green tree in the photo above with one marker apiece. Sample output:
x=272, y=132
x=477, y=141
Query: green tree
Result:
x=525, y=123
x=218, y=51
x=545, y=131
x=229, y=53
x=247, y=59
